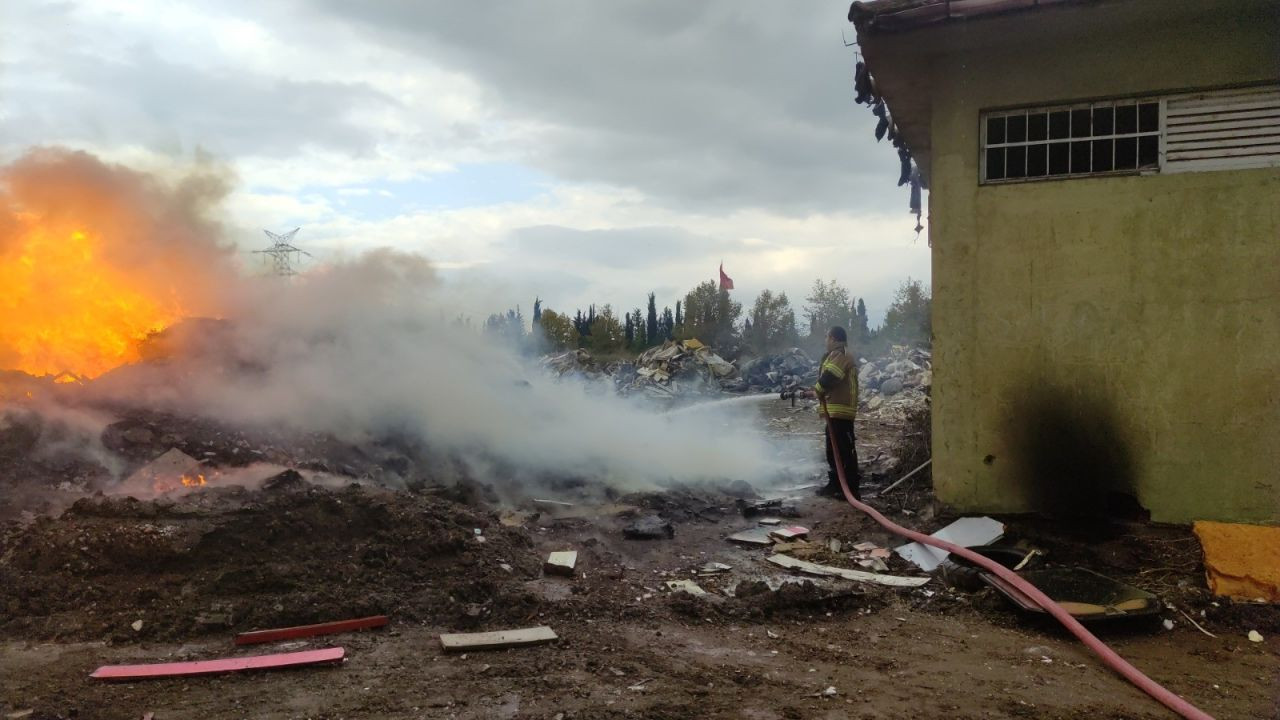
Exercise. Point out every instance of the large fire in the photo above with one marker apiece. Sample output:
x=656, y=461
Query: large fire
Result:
x=95, y=257
x=64, y=310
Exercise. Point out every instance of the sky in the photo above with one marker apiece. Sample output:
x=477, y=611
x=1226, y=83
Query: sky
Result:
x=574, y=150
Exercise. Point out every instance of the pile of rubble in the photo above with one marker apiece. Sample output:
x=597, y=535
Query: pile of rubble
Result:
x=891, y=387
x=776, y=373
x=677, y=368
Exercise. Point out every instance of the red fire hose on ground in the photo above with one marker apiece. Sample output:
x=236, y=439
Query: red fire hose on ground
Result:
x=1109, y=656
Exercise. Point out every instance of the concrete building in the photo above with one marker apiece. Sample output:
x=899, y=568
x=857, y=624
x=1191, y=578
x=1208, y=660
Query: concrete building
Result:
x=1104, y=217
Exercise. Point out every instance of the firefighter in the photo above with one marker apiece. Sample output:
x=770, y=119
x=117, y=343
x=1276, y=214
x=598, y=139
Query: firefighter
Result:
x=838, y=384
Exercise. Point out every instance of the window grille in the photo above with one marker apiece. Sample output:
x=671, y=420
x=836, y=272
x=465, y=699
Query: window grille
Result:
x=1215, y=130
x=1069, y=141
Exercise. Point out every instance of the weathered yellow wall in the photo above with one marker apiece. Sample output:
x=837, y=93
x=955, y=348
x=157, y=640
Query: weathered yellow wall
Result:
x=1136, y=317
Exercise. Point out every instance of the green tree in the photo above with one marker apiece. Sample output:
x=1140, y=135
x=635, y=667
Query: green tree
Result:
x=771, y=325
x=558, y=331
x=666, y=326
x=709, y=314
x=861, y=327
x=827, y=305
x=651, y=323
x=607, y=335
x=909, y=318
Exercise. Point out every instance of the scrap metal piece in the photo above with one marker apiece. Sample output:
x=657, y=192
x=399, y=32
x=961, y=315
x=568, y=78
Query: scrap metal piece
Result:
x=327, y=628
x=1083, y=593
x=965, y=532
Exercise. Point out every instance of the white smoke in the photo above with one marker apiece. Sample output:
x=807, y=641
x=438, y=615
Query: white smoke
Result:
x=367, y=348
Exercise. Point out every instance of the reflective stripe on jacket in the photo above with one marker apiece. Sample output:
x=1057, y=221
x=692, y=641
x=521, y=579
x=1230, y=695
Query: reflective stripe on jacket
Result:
x=838, y=383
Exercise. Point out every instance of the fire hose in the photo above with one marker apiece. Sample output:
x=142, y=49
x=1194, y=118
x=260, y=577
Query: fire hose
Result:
x=1108, y=656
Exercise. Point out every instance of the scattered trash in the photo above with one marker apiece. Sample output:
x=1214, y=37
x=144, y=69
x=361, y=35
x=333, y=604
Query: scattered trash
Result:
x=829, y=692
x=1168, y=624
x=754, y=536
x=774, y=508
x=964, y=532
x=865, y=546
x=687, y=586
x=649, y=527
x=1194, y=623
x=328, y=628
x=452, y=642
x=714, y=568
x=771, y=634
x=561, y=563
x=552, y=503
x=1241, y=561
x=640, y=685
x=786, y=534
x=858, y=575
x=770, y=521
x=1255, y=636
x=18, y=714
x=136, y=625
x=1084, y=594
x=223, y=665
x=834, y=545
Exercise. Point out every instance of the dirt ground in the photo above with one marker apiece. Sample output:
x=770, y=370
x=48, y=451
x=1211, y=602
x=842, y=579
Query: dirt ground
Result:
x=762, y=644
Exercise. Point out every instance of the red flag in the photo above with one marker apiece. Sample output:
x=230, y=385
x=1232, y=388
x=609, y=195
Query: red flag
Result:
x=726, y=282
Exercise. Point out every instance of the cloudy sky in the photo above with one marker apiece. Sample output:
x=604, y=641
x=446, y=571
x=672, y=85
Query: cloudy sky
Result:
x=579, y=150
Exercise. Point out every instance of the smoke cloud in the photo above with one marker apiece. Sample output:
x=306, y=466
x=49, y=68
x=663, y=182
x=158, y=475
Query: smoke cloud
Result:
x=363, y=349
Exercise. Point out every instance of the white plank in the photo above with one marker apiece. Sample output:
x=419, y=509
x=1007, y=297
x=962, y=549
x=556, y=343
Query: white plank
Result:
x=804, y=566
x=1193, y=119
x=1273, y=139
x=1212, y=132
x=1256, y=150
x=1247, y=163
x=494, y=640
x=1264, y=122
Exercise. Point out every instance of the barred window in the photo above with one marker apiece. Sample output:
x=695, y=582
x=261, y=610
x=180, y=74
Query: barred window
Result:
x=1070, y=141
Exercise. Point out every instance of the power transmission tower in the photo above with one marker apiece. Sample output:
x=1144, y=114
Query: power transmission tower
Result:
x=283, y=253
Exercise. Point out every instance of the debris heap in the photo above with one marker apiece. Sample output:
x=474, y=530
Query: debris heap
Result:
x=776, y=373
x=892, y=387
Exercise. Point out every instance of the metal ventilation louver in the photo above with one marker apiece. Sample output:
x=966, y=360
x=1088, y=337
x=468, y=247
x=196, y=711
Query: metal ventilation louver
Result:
x=1223, y=130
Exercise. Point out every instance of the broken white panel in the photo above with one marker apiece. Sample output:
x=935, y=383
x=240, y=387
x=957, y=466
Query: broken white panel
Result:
x=805, y=566
x=965, y=532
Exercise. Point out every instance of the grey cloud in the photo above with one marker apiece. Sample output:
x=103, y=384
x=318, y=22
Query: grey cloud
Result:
x=138, y=97
x=626, y=248
x=706, y=105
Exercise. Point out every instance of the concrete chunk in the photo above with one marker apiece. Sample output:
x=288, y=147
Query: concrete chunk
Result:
x=561, y=563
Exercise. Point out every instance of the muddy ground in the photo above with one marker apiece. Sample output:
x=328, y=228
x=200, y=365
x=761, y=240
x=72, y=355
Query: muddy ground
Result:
x=198, y=568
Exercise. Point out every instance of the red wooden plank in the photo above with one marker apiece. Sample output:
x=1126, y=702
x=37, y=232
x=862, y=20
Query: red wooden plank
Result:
x=222, y=665
x=329, y=628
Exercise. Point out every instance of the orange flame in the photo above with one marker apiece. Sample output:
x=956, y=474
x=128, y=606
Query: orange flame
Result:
x=196, y=481
x=96, y=257
x=62, y=309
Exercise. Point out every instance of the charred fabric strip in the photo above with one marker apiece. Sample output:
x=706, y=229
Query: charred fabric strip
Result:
x=223, y=665
x=1109, y=656
x=329, y=628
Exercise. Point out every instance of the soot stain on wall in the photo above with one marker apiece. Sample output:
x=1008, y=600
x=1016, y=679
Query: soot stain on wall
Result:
x=1070, y=452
